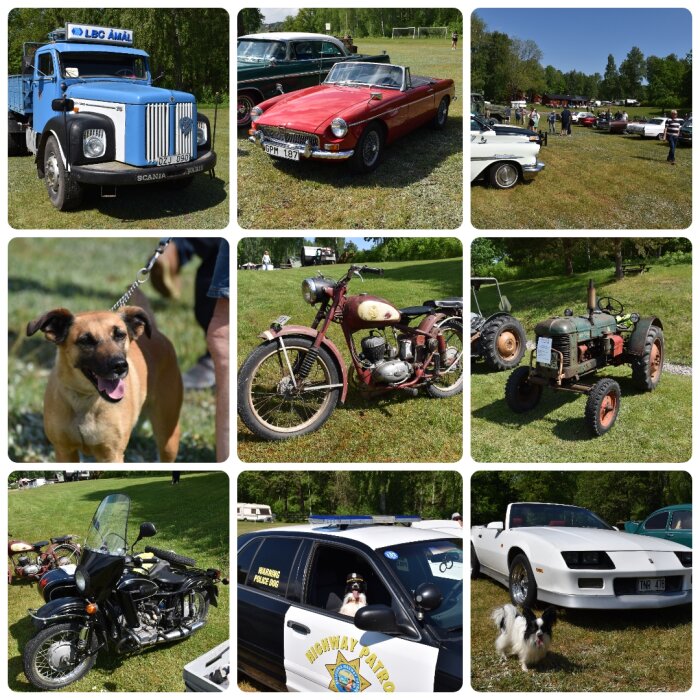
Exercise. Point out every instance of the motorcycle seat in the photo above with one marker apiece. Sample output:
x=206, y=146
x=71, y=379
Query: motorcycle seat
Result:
x=43, y=543
x=167, y=575
x=448, y=303
x=412, y=311
x=61, y=539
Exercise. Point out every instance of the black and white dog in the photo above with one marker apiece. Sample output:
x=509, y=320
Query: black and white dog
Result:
x=355, y=595
x=523, y=635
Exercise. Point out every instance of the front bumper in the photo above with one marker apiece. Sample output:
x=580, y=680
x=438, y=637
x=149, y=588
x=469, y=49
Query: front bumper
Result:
x=530, y=171
x=305, y=151
x=116, y=173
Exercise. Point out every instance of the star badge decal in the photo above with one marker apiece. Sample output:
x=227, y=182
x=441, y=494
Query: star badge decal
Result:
x=345, y=676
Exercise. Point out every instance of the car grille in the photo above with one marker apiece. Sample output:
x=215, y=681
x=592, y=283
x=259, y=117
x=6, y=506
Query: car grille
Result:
x=158, y=130
x=628, y=586
x=290, y=136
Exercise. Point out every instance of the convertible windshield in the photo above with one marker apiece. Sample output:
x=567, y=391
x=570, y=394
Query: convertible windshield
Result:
x=366, y=74
x=433, y=561
x=257, y=51
x=553, y=515
x=107, y=533
x=103, y=65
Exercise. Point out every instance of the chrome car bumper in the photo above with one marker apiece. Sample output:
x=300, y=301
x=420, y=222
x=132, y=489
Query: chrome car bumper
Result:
x=305, y=151
x=529, y=171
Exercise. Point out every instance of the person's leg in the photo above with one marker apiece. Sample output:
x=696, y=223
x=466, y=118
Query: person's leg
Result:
x=671, y=149
x=218, y=343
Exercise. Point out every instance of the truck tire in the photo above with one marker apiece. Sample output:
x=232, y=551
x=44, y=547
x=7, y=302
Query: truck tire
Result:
x=521, y=396
x=647, y=369
x=502, y=342
x=602, y=406
x=64, y=192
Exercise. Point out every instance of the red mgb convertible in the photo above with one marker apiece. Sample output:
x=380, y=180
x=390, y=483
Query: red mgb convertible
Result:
x=357, y=110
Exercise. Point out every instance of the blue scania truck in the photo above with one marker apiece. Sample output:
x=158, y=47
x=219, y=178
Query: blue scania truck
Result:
x=86, y=108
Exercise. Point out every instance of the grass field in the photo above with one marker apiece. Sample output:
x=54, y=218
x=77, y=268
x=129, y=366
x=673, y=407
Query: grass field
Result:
x=419, y=184
x=191, y=518
x=594, y=180
x=651, y=427
x=592, y=651
x=202, y=205
x=262, y=297
x=83, y=274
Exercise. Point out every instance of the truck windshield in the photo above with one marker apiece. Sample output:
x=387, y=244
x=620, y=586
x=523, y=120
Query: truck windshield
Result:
x=257, y=51
x=101, y=65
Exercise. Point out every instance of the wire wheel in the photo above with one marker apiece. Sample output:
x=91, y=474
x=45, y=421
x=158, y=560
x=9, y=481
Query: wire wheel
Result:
x=370, y=148
x=451, y=380
x=245, y=104
x=66, y=554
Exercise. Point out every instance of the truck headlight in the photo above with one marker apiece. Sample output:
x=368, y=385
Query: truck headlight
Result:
x=339, y=127
x=255, y=114
x=94, y=143
x=201, y=133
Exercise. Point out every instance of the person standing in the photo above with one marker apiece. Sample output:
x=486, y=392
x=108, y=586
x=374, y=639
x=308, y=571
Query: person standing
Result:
x=671, y=132
x=566, y=121
x=455, y=36
x=266, y=261
x=552, y=120
x=535, y=118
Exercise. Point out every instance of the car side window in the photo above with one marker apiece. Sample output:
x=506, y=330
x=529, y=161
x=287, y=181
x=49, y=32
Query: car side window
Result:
x=272, y=565
x=656, y=522
x=306, y=50
x=682, y=520
x=329, y=50
x=327, y=576
x=45, y=66
x=244, y=559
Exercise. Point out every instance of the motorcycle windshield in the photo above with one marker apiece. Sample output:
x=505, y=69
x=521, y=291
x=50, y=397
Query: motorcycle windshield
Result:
x=107, y=533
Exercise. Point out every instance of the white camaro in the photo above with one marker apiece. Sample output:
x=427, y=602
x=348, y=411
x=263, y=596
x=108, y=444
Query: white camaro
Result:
x=568, y=556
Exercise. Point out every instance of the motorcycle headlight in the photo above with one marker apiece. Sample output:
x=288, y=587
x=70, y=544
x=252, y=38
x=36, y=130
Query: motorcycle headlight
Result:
x=201, y=133
x=255, y=114
x=310, y=290
x=94, y=143
x=82, y=579
x=339, y=127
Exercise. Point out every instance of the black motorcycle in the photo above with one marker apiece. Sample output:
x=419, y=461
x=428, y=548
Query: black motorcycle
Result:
x=114, y=600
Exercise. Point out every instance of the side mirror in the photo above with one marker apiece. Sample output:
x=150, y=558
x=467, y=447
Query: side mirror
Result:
x=495, y=525
x=146, y=530
x=379, y=618
x=158, y=77
x=505, y=304
x=427, y=597
x=62, y=104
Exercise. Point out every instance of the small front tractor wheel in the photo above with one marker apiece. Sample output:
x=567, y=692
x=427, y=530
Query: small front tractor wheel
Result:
x=646, y=370
x=521, y=395
x=502, y=342
x=602, y=406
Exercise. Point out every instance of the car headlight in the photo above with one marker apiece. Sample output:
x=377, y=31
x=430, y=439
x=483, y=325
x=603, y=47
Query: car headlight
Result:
x=201, y=133
x=310, y=290
x=339, y=127
x=588, y=560
x=94, y=143
x=685, y=558
x=255, y=114
x=82, y=579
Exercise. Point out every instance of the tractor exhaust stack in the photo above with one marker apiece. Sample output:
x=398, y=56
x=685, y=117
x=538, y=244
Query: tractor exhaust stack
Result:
x=591, y=299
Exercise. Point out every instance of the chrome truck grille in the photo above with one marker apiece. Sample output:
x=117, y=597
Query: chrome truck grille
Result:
x=158, y=130
x=185, y=128
x=299, y=138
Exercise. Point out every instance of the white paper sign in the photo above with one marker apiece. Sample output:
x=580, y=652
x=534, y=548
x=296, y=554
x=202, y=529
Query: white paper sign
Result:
x=544, y=350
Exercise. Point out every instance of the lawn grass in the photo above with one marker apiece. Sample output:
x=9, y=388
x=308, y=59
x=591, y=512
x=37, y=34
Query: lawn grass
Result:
x=651, y=427
x=592, y=650
x=594, y=180
x=83, y=274
x=191, y=518
x=202, y=205
x=262, y=297
x=417, y=186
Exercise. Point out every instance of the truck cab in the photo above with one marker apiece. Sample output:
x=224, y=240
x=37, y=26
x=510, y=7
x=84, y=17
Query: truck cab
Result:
x=85, y=106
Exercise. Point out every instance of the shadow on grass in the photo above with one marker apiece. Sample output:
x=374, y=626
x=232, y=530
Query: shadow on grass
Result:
x=498, y=411
x=613, y=620
x=557, y=662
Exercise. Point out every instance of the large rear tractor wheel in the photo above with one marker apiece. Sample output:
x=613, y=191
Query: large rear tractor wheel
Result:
x=602, y=406
x=502, y=342
x=521, y=395
x=647, y=369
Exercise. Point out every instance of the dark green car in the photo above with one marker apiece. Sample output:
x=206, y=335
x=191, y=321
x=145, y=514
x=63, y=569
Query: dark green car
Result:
x=673, y=523
x=281, y=62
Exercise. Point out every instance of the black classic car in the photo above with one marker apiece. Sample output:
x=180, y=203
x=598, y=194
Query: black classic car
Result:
x=480, y=123
x=278, y=62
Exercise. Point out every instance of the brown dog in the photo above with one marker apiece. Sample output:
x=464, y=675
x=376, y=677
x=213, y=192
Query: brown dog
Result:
x=109, y=367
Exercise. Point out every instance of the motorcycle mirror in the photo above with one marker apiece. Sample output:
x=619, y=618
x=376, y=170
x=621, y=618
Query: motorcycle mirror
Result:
x=146, y=530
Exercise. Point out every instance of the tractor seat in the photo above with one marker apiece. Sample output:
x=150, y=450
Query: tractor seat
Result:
x=60, y=540
x=413, y=311
x=448, y=303
x=43, y=543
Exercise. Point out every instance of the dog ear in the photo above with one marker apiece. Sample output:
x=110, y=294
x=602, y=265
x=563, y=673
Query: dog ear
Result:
x=137, y=321
x=54, y=324
x=549, y=616
x=528, y=614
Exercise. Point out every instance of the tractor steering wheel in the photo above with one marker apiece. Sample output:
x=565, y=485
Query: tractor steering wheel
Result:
x=611, y=306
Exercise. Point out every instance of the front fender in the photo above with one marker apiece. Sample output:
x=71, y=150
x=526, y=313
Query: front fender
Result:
x=637, y=340
x=58, y=610
x=306, y=332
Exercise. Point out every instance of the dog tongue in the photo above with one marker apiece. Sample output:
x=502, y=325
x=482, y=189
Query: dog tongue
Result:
x=114, y=388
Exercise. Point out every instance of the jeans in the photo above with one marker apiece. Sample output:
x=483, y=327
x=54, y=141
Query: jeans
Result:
x=672, y=140
x=552, y=128
x=219, y=288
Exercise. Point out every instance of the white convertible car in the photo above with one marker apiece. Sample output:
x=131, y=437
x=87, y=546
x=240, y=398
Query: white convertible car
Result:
x=568, y=556
x=653, y=129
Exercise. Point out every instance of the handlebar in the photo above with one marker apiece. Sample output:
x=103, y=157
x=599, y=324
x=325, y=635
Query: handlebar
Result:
x=366, y=268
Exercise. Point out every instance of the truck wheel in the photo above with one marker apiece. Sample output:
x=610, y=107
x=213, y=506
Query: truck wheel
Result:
x=504, y=175
x=521, y=582
x=440, y=119
x=521, y=395
x=369, y=150
x=502, y=342
x=647, y=369
x=245, y=104
x=475, y=564
x=602, y=406
x=64, y=192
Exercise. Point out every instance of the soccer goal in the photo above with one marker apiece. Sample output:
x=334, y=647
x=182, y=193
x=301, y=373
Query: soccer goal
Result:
x=397, y=32
x=432, y=32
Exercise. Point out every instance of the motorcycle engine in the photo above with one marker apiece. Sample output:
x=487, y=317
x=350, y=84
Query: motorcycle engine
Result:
x=388, y=365
x=27, y=566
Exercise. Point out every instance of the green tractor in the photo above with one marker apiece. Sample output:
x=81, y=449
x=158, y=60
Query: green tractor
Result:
x=499, y=338
x=571, y=347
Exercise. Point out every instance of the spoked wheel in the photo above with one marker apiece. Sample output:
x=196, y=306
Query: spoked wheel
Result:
x=245, y=104
x=52, y=658
x=275, y=401
x=199, y=609
x=451, y=380
x=602, y=406
x=66, y=554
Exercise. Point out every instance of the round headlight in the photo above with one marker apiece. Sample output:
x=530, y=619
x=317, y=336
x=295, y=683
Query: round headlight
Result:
x=201, y=133
x=339, y=127
x=255, y=113
x=82, y=579
x=94, y=143
x=310, y=290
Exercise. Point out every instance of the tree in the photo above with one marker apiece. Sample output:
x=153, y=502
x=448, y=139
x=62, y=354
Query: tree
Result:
x=632, y=71
x=249, y=20
x=610, y=86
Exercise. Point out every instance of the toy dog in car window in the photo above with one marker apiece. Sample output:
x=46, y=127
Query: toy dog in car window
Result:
x=355, y=595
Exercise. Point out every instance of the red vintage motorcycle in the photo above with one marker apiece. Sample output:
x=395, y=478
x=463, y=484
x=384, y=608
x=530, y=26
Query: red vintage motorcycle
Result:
x=290, y=384
x=30, y=559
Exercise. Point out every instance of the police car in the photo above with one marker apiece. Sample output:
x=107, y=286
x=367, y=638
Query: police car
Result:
x=294, y=630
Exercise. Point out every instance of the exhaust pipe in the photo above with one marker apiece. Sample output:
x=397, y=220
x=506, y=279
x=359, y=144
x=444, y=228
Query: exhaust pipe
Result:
x=181, y=632
x=591, y=300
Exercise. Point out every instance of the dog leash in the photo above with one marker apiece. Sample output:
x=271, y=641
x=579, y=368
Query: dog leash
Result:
x=142, y=276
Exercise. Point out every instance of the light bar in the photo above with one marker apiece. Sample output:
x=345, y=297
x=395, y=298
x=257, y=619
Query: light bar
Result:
x=363, y=519
x=99, y=35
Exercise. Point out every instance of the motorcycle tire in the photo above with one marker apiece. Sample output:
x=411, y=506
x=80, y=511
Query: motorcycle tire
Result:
x=35, y=677
x=66, y=551
x=171, y=556
x=436, y=391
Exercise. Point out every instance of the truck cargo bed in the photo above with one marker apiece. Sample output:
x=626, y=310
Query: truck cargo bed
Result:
x=19, y=94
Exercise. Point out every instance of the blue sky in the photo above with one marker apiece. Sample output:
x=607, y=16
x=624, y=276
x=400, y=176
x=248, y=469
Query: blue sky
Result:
x=581, y=39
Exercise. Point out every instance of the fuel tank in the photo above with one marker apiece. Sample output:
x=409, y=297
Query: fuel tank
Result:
x=366, y=311
x=15, y=547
